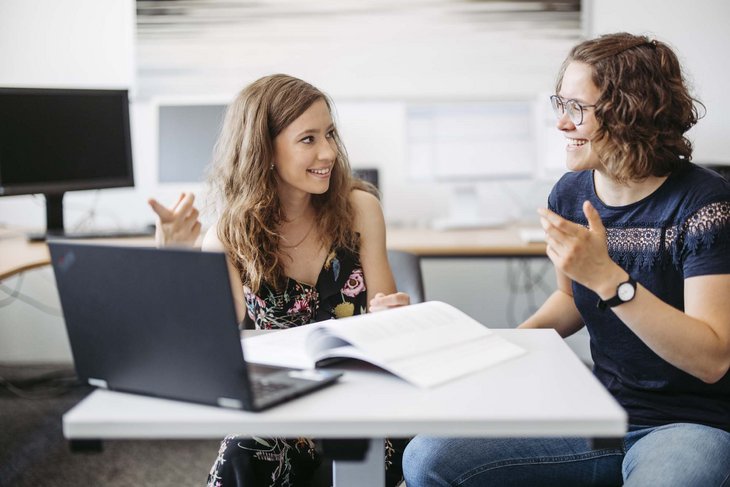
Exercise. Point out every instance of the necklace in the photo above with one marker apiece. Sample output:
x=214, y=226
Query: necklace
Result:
x=301, y=241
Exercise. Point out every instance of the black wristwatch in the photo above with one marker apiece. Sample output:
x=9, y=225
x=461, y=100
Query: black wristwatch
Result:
x=625, y=292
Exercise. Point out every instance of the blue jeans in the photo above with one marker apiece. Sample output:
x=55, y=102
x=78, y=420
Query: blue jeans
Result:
x=679, y=454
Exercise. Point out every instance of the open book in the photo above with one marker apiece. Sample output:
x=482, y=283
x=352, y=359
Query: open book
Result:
x=426, y=344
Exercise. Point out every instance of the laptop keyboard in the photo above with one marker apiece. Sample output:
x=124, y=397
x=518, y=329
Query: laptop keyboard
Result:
x=264, y=388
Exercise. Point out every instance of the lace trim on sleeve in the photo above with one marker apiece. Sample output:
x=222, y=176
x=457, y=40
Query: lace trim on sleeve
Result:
x=645, y=246
x=635, y=244
x=702, y=229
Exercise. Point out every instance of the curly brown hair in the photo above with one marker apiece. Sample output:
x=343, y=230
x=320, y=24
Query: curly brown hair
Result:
x=644, y=108
x=241, y=174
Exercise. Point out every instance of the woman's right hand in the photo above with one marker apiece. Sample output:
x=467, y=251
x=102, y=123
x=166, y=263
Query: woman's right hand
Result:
x=381, y=301
x=179, y=225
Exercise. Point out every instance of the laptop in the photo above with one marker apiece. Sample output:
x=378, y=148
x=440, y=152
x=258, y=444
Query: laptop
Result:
x=162, y=322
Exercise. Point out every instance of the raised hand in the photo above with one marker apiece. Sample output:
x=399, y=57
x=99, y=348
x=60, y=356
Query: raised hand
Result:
x=580, y=253
x=382, y=301
x=179, y=225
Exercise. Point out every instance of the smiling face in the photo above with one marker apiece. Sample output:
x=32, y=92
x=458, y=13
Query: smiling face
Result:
x=305, y=152
x=577, y=84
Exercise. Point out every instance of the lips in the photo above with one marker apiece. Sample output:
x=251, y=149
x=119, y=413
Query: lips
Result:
x=324, y=171
x=576, y=142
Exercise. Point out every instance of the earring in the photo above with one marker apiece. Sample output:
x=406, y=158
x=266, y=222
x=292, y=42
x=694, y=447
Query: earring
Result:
x=272, y=167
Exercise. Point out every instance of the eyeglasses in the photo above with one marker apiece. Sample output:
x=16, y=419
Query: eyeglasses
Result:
x=571, y=107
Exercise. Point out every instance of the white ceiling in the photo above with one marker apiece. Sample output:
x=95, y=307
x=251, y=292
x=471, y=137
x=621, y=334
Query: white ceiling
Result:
x=211, y=46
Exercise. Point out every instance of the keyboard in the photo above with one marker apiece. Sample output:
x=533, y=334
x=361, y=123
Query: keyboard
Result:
x=263, y=388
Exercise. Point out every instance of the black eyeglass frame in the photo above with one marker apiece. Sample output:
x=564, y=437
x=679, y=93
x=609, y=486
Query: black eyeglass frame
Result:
x=560, y=107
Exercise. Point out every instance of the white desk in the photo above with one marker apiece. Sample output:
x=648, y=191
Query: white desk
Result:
x=546, y=392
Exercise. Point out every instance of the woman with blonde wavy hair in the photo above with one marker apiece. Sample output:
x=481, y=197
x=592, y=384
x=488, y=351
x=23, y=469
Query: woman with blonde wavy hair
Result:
x=305, y=241
x=640, y=240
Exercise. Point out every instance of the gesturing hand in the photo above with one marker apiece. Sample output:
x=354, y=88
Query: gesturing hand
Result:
x=580, y=253
x=179, y=225
x=381, y=301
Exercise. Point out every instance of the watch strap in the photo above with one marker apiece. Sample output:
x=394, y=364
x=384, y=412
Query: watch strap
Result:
x=616, y=300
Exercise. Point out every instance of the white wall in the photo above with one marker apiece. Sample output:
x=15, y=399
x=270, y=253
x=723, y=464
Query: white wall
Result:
x=72, y=43
x=49, y=43
x=698, y=30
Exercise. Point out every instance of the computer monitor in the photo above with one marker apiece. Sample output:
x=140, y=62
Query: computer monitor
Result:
x=58, y=140
x=469, y=142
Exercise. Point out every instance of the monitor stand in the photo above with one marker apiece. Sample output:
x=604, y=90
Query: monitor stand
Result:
x=55, y=229
x=465, y=212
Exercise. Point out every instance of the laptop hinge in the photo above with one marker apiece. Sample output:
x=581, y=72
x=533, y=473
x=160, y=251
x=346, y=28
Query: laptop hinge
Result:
x=227, y=402
x=98, y=383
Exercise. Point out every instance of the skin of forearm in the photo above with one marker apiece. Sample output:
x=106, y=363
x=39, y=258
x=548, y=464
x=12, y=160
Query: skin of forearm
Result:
x=688, y=343
x=696, y=340
x=558, y=312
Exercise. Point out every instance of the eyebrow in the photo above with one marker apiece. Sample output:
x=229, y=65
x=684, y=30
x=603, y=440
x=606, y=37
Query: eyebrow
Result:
x=314, y=131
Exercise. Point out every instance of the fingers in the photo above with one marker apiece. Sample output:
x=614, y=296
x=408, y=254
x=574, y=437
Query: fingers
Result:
x=398, y=299
x=382, y=301
x=552, y=255
x=556, y=230
x=179, y=225
x=594, y=219
x=185, y=220
x=195, y=231
x=578, y=251
x=179, y=199
x=182, y=209
x=551, y=220
x=184, y=204
x=159, y=209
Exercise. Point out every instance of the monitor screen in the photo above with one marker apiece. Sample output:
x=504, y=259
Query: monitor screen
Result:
x=468, y=141
x=57, y=140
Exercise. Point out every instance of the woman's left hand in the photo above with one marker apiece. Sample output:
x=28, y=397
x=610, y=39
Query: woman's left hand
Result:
x=580, y=253
x=382, y=301
x=179, y=225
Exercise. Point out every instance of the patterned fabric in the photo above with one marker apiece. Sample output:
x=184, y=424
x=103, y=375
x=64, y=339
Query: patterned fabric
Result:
x=340, y=291
x=682, y=230
x=274, y=462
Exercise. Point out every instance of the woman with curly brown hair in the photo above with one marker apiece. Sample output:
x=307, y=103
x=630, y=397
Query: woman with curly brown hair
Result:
x=305, y=242
x=640, y=240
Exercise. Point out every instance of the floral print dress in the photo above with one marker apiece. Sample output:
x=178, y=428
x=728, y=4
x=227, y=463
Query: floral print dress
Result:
x=340, y=291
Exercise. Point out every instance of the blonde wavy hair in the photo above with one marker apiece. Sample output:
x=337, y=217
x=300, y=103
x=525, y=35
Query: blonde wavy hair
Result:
x=644, y=108
x=241, y=177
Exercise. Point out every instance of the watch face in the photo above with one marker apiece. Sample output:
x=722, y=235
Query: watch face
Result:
x=626, y=291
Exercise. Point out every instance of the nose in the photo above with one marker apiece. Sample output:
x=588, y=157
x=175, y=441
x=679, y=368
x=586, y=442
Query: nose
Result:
x=327, y=149
x=564, y=122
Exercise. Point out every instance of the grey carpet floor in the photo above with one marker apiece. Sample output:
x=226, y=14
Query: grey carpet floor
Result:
x=34, y=453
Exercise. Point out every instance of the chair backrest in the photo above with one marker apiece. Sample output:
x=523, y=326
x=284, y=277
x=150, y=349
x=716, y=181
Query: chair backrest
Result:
x=406, y=269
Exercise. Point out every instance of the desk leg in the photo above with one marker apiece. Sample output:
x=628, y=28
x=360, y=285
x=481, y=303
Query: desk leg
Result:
x=609, y=443
x=85, y=446
x=370, y=472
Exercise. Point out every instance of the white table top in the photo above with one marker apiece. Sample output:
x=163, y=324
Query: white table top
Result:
x=546, y=392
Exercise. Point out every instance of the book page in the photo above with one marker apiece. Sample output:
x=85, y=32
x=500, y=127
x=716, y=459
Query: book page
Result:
x=280, y=348
x=425, y=344
x=449, y=363
x=408, y=331
x=300, y=347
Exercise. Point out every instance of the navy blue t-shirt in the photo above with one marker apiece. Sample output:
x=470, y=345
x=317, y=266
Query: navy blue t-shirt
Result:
x=679, y=231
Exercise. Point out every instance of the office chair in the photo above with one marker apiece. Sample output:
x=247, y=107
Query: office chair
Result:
x=407, y=273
